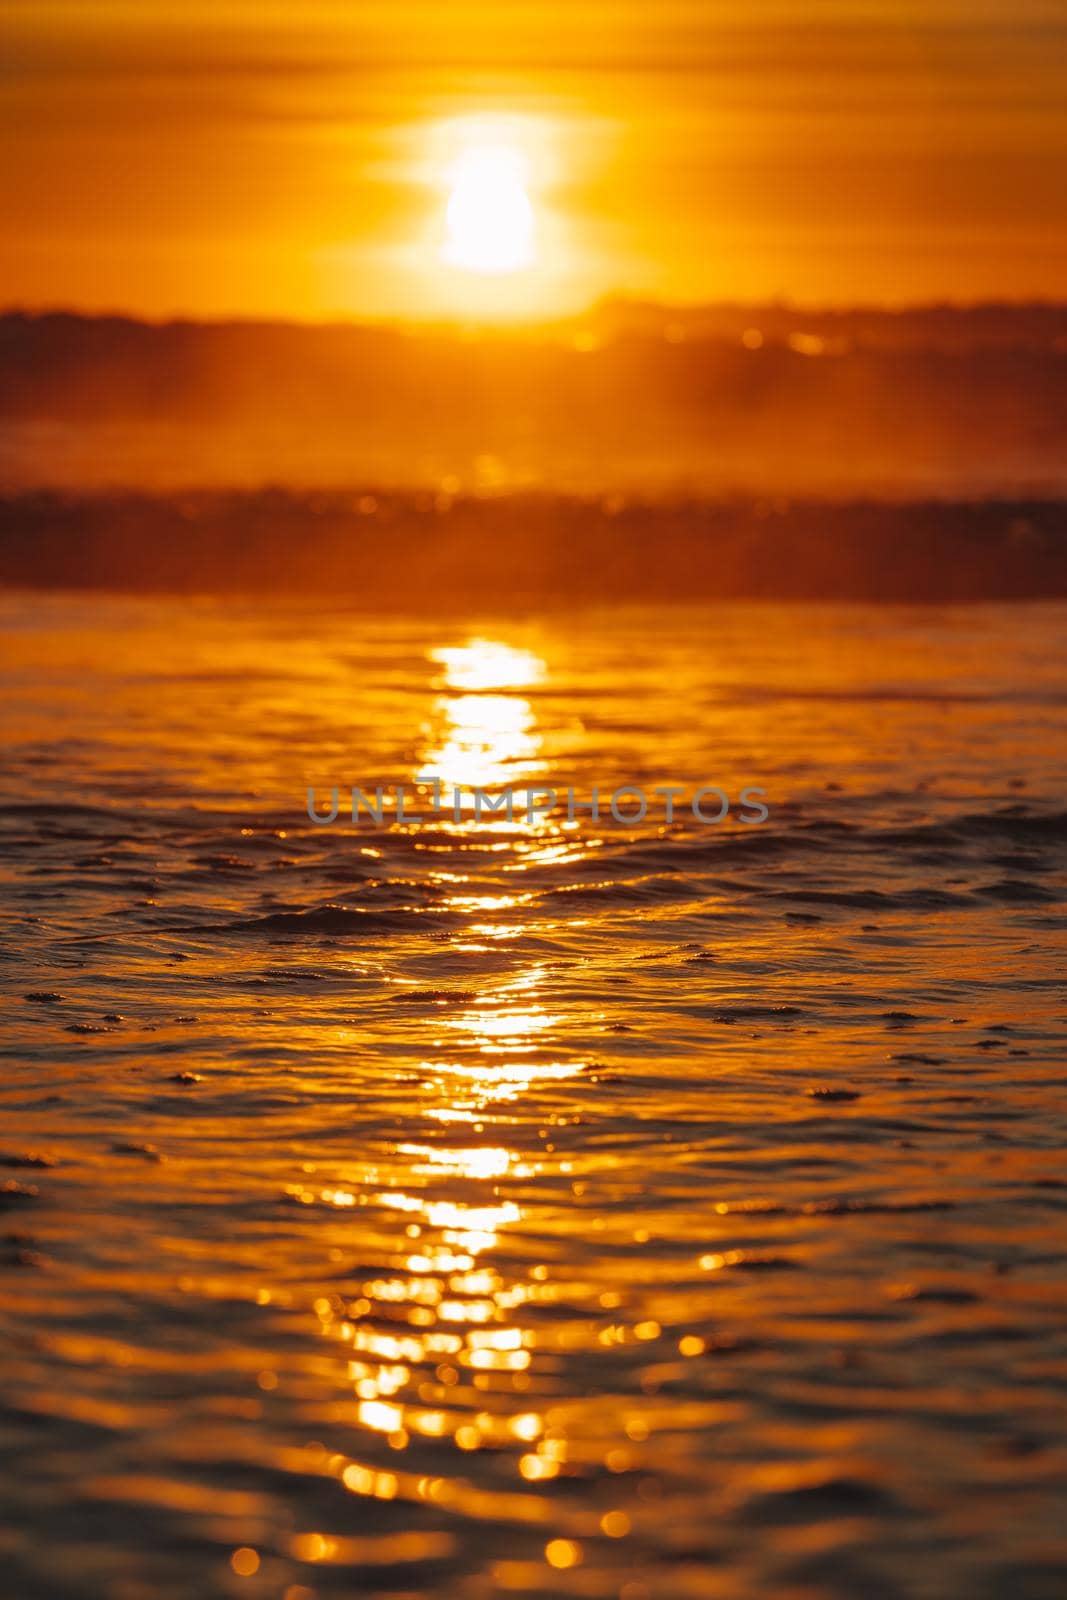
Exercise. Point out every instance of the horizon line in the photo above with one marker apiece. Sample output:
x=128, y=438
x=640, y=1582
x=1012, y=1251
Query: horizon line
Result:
x=779, y=305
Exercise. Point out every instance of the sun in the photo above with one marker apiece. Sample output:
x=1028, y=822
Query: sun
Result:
x=489, y=218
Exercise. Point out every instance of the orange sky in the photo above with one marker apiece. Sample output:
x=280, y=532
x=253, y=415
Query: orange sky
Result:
x=239, y=157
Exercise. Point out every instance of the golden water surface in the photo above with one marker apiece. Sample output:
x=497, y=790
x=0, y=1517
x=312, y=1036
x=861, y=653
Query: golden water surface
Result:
x=576, y=1209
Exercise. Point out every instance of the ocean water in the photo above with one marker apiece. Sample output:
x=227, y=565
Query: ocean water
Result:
x=474, y=1209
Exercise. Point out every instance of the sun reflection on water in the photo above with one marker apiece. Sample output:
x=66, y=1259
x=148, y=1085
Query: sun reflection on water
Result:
x=440, y=1349
x=489, y=664
x=482, y=734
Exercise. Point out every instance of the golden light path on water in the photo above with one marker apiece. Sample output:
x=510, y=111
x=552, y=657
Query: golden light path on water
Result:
x=490, y=739
x=480, y=735
x=466, y=1210
x=458, y=1312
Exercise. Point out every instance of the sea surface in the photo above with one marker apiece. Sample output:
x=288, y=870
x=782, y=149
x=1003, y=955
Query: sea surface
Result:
x=469, y=1208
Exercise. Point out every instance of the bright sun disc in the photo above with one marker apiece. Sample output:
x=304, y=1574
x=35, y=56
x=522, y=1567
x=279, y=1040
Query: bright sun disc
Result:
x=489, y=216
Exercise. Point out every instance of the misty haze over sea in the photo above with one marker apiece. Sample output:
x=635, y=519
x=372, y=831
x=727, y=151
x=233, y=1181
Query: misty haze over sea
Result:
x=718, y=450
x=630, y=398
